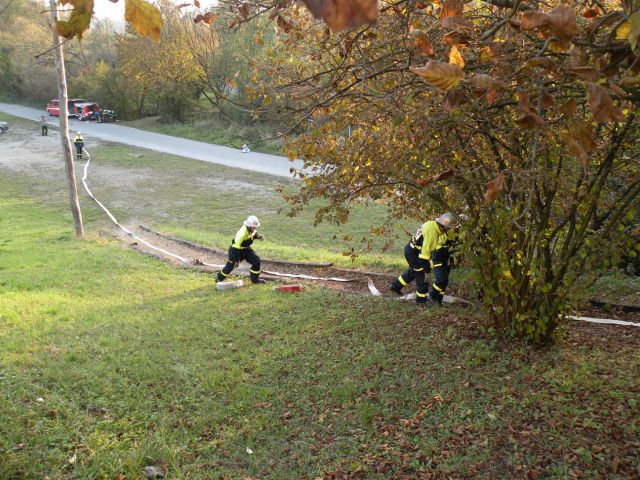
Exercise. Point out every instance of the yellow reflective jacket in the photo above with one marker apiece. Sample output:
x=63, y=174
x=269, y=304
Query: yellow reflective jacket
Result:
x=432, y=239
x=243, y=238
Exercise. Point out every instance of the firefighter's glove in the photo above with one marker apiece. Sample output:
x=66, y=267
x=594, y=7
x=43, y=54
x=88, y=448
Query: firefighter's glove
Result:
x=257, y=236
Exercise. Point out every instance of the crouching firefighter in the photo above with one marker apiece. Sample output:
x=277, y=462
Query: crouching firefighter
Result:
x=241, y=250
x=429, y=238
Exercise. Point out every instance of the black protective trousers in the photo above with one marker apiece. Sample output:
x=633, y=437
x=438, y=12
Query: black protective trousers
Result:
x=418, y=268
x=236, y=255
x=441, y=269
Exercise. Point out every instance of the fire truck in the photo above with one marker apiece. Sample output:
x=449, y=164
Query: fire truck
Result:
x=53, y=107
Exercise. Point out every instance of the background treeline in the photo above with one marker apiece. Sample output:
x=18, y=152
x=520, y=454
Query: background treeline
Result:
x=197, y=73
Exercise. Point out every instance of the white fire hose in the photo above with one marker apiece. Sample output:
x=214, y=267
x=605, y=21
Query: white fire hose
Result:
x=372, y=288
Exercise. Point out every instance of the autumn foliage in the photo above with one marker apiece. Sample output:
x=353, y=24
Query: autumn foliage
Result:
x=529, y=108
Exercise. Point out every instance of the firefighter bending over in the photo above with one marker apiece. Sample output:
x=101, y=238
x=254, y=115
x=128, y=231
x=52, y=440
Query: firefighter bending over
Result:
x=79, y=143
x=241, y=250
x=425, y=251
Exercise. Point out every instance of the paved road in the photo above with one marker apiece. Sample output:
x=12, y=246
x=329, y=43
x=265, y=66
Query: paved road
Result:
x=231, y=157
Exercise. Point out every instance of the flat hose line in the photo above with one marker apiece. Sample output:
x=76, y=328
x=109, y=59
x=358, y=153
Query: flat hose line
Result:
x=372, y=288
x=178, y=257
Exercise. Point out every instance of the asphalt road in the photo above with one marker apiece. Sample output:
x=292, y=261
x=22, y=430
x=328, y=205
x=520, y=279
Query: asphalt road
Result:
x=231, y=157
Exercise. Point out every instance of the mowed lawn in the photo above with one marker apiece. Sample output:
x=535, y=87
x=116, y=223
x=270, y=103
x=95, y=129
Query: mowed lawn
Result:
x=111, y=361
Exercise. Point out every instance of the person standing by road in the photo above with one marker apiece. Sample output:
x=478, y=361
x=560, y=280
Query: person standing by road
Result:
x=79, y=143
x=43, y=124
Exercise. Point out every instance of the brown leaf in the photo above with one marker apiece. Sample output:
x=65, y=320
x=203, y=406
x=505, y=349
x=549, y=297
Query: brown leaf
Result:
x=578, y=57
x=527, y=119
x=244, y=10
x=182, y=5
x=455, y=57
x=592, y=12
x=209, y=18
x=144, y=17
x=571, y=144
x=455, y=38
x=284, y=25
x=439, y=74
x=561, y=21
x=547, y=100
x=494, y=188
x=481, y=81
x=423, y=44
x=263, y=404
x=198, y=18
x=544, y=62
x=584, y=134
x=569, y=108
x=457, y=24
x=587, y=73
x=601, y=105
x=617, y=90
x=454, y=98
x=196, y=3
x=343, y=14
x=423, y=182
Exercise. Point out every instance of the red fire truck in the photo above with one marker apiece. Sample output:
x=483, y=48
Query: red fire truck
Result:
x=53, y=107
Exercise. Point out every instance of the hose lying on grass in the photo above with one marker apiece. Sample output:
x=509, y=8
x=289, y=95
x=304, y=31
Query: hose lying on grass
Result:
x=372, y=288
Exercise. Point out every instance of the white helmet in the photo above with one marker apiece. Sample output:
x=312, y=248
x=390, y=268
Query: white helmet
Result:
x=252, y=221
x=78, y=133
x=448, y=220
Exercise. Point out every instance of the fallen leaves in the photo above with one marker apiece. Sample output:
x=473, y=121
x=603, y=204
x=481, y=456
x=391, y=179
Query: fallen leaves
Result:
x=443, y=76
x=344, y=14
x=601, y=105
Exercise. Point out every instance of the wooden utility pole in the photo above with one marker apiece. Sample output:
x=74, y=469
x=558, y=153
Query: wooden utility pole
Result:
x=64, y=123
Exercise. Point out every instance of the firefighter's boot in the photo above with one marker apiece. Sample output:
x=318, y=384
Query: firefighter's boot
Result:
x=255, y=277
x=396, y=287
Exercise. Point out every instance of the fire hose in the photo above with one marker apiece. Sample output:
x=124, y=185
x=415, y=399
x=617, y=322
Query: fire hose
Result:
x=372, y=288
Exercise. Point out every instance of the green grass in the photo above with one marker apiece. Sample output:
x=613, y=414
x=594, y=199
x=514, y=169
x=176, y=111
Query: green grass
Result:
x=139, y=363
x=217, y=132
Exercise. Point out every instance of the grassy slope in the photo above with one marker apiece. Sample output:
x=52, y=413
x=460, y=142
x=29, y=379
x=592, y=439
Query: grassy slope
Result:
x=141, y=364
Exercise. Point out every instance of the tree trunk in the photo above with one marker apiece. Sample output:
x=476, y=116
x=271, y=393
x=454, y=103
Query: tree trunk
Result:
x=64, y=123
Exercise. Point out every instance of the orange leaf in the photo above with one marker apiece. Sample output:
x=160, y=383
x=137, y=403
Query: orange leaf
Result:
x=452, y=8
x=423, y=44
x=591, y=12
x=494, y=188
x=344, y=14
x=439, y=74
x=601, y=105
x=145, y=18
x=208, y=18
x=455, y=57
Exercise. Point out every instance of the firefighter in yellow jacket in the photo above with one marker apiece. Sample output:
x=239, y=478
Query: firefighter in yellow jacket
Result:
x=424, y=252
x=241, y=250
